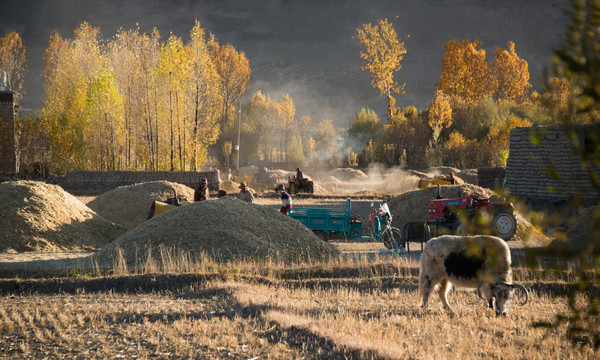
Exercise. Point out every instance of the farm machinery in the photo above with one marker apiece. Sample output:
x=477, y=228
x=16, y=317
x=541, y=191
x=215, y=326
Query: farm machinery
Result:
x=303, y=185
x=472, y=214
x=326, y=222
x=159, y=207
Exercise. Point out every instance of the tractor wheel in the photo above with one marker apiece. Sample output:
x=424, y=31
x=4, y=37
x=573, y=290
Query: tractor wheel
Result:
x=321, y=234
x=395, y=242
x=504, y=224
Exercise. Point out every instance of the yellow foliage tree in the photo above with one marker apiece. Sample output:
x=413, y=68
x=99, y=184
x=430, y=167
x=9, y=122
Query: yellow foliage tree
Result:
x=440, y=114
x=512, y=74
x=465, y=72
x=13, y=58
x=382, y=51
x=234, y=71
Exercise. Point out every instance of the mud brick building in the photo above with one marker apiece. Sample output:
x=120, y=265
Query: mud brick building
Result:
x=543, y=163
x=8, y=159
x=97, y=182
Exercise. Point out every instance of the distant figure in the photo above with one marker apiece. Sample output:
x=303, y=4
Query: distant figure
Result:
x=451, y=178
x=201, y=192
x=244, y=194
x=286, y=200
x=229, y=176
x=299, y=174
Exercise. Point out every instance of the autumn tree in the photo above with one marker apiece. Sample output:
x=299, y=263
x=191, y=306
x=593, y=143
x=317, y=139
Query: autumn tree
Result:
x=287, y=124
x=204, y=92
x=512, y=75
x=70, y=67
x=234, y=73
x=382, y=51
x=440, y=114
x=465, y=71
x=13, y=60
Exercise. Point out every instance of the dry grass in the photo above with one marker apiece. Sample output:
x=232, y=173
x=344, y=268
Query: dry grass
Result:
x=251, y=310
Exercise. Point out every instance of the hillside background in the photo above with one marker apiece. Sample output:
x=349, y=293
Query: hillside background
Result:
x=308, y=49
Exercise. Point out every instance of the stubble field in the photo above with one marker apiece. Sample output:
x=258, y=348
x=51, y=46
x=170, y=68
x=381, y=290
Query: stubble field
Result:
x=364, y=306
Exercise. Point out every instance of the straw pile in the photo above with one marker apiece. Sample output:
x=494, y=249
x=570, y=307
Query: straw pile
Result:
x=129, y=205
x=347, y=174
x=36, y=216
x=412, y=206
x=222, y=229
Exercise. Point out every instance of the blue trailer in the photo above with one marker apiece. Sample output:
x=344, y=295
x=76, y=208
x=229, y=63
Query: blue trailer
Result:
x=324, y=222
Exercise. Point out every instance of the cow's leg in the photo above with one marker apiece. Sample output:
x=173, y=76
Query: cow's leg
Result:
x=426, y=284
x=443, y=291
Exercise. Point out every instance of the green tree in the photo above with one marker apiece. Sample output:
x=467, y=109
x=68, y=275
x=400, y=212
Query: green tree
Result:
x=366, y=126
x=578, y=62
x=382, y=51
x=296, y=152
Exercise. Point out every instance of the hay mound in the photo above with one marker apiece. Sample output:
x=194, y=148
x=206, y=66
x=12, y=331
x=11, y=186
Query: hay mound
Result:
x=412, y=206
x=347, y=174
x=36, y=216
x=223, y=229
x=231, y=187
x=129, y=205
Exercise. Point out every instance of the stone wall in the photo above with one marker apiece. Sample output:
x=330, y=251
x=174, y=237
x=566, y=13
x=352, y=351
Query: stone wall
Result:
x=491, y=178
x=8, y=158
x=536, y=152
x=97, y=182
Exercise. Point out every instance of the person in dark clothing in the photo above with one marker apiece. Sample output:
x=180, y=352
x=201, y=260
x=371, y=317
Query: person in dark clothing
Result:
x=286, y=200
x=201, y=192
x=299, y=174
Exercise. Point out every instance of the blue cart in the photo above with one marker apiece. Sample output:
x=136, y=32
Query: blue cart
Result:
x=324, y=222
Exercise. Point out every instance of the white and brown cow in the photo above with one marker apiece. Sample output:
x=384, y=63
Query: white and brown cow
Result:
x=477, y=262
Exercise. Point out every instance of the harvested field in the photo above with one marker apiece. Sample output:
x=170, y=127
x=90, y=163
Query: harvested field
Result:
x=222, y=229
x=129, y=206
x=325, y=311
x=36, y=216
x=412, y=206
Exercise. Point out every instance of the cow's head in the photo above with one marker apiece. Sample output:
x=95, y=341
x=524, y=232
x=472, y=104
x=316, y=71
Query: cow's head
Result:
x=503, y=293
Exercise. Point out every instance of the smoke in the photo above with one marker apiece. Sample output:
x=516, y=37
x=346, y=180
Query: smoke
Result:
x=377, y=180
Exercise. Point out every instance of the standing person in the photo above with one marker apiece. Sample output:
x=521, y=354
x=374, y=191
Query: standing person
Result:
x=286, y=200
x=245, y=194
x=299, y=174
x=201, y=192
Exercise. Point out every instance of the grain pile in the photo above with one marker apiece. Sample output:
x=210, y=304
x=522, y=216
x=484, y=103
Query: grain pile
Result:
x=222, y=229
x=36, y=216
x=129, y=206
x=347, y=174
x=412, y=206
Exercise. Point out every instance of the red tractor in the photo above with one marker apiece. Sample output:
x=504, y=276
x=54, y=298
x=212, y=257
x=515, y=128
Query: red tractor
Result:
x=303, y=185
x=473, y=214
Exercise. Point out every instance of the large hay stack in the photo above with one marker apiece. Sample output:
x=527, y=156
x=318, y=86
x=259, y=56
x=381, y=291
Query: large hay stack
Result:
x=222, y=229
x=35, y=216
x=412, y=206
x=129, y=206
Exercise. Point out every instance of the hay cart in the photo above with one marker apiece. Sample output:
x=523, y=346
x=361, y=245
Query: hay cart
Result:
x=325, y=222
